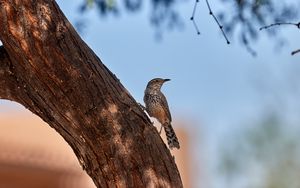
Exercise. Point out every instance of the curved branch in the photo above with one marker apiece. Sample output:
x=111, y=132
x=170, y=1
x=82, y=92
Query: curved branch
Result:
x=279, y=24
x=66, y=84
x=283, y=23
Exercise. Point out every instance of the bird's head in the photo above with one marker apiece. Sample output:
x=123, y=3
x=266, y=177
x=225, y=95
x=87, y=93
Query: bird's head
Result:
x=156, y=83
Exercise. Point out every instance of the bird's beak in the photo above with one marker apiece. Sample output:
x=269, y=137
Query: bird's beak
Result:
x=165, y=80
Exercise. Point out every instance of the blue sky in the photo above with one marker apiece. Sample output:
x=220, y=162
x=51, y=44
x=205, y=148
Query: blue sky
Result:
x=214, y=85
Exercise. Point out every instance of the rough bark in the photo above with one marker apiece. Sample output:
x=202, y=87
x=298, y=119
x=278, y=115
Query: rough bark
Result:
x=45, y=66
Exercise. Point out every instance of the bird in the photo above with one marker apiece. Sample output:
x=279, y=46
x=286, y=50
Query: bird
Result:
x=157, y=107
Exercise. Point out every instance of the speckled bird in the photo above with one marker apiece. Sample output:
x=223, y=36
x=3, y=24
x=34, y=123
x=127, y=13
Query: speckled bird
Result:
x=157, y=106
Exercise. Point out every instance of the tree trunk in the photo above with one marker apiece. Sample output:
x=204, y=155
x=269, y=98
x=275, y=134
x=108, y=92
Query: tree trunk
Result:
x=45, y=66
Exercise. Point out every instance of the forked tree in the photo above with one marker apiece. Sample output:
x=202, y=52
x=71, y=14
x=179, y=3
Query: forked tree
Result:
x=46, y=67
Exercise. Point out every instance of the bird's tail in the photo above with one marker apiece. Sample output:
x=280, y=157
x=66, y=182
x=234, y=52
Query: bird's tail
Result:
x=171, y=136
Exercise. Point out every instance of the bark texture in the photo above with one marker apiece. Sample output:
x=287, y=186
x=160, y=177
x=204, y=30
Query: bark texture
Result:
x=45, y=66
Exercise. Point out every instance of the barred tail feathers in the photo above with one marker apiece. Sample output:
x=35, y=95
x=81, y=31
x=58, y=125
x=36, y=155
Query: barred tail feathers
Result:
x=171, y=136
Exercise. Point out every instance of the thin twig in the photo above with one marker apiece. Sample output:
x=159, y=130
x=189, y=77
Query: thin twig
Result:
x=296, y=51
x=196, y=27
x=280, y=23
x=283, y=23
x=193, y=16
x=194, y=9
x=217, y=21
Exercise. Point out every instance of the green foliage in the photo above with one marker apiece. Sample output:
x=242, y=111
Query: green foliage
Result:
x=265, y=155
x=90, y=3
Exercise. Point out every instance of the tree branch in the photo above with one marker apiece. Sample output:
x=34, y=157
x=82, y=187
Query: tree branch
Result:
x=215, y=18
x=296, y=51
x=64, y=82
x=213, y=15
x=283, y=23
x=193, y=16
x=280, y=23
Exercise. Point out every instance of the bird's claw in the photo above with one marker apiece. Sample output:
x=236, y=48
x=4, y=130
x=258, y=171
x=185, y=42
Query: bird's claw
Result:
x=141, y=106
x=160, y=129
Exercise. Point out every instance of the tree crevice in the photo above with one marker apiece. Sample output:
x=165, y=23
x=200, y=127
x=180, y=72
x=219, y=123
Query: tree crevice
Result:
x=9, y=86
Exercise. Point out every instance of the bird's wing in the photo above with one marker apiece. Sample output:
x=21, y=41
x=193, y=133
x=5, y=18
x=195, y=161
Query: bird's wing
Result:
x=166, y=107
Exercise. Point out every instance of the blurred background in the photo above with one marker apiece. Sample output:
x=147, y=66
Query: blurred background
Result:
x=235, y=107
